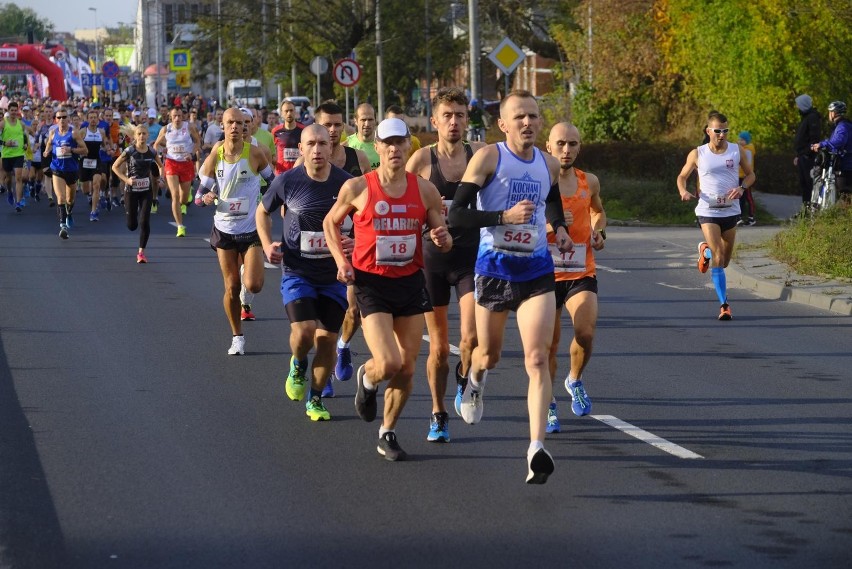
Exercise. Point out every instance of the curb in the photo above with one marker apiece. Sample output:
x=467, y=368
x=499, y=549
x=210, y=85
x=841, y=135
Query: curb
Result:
x=740, y=278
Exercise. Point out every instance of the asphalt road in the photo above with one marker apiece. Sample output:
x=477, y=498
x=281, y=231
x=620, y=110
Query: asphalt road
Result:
x=129, y=439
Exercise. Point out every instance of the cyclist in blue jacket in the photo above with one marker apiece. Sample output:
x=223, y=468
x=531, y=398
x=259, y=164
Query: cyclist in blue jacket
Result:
x=840, y=142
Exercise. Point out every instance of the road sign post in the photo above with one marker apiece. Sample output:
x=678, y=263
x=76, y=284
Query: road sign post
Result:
x=319, y=65
x=507, y=56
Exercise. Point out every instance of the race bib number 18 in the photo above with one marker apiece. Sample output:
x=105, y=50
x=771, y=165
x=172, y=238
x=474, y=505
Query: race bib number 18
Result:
x=396, y=250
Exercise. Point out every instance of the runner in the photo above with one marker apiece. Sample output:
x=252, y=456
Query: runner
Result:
x=63, y=143
x=139, y=186
x=576, y=281
x=181, y=141
x=355, y=163
x=514, y=269
x=287, y=136
x=438, y=163
x=238, y=168
x=365, y=135
x=718, y=201
x=94, y=138
x=14, y=142
x=391, y=205
x=313, y=298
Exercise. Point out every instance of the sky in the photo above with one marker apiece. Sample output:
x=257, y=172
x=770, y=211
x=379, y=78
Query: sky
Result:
x=75, y=14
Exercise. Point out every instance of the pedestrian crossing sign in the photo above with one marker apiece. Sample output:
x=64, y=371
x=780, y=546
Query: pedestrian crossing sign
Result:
x=180, y=60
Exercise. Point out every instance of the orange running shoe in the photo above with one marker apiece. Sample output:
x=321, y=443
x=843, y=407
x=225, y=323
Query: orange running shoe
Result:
x=703, y=261
x=725, y=312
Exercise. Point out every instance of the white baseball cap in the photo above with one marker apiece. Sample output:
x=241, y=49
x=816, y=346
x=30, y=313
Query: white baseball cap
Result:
x=137, y=113
x=116, y=115
x=247, y=112
x=389, y=128
x=152, y=114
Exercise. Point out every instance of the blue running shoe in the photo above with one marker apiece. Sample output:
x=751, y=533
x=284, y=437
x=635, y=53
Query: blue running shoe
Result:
x=328, y=390
x=343, y=367
x=552, y=420
x=461, y=382
x=439, y=428
x=102, y=203
x=10, y=197
x=580, y=403
x=23, y=202
x=69, y=221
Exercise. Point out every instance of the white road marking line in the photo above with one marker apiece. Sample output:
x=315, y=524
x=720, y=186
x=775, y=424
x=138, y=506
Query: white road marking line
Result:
x=647, y=437
x=679, y=287
x=453, y=349
x=610, y=269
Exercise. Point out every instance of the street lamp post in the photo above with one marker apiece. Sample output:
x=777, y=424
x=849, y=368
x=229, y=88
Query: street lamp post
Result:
x=95, y=10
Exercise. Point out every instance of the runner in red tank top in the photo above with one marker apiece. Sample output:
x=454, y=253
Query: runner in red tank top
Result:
x=390, y=208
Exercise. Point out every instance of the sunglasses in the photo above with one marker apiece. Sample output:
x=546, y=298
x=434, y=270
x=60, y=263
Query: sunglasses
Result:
x=720, y=130
x=62, y=117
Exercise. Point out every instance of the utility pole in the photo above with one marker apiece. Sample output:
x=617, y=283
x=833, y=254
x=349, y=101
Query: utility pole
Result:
x=219, y=29
x=380, y=90
x=428, y=74
x=473, y=24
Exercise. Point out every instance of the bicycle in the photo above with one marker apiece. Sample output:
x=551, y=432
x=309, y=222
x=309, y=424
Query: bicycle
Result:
x=824, y=194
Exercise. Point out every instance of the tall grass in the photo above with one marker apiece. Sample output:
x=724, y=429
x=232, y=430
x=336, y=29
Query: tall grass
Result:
x=818, y=245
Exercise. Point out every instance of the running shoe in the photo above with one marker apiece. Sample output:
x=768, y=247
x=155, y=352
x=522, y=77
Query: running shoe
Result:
x=472, y=405
x=365, y=399
x=703, y=259
x=439, y=428
x=155, y=206
x=238, y=346
x=461, y=383
x=246, y=313
x=751, y=221
x=116, y=202
x=343, y=368
x=103, y=203
x=19, y=208
x=540, y=466
x=69, y=221
x=552, y=420
x=181, y=231
x=10, y=197
x=141, y=258
x=389, y=447
x=725, y=312
x=316, y=410
x=740, y=222
x=63, y=231
x=297, y=383
x=328, y=390
x=93, y=216
x=183, y=209
x=580, y=403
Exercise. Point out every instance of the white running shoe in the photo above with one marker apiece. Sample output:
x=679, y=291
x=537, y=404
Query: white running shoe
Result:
x=238, y=346
x=540, y=466
x=472, y=405
x=246, y=297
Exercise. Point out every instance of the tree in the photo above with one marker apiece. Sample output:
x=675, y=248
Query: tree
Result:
x=16, y=23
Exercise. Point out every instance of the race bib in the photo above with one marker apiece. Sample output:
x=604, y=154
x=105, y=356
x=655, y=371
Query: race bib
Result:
x=396, y=250
x=90, y=163
x=141, y=184
x=570, y=261
x=13, y=144
x=233, y=207
x=519, y=240
x=313, y=245
x=445, y=210
x=177, y=151
x=63, y=151
x=718, y=201
x=291, y=154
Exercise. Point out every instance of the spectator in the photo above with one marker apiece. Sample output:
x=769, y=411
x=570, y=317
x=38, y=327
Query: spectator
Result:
x=808, y=134
x=746, y=200
x=840, y=142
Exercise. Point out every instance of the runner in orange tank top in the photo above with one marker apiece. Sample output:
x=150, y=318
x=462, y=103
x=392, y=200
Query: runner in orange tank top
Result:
x=576, y=281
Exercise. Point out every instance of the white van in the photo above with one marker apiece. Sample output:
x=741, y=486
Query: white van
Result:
x=246, y=92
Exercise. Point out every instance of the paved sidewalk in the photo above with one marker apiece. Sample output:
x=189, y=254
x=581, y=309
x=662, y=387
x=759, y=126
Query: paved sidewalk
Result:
x=753, y=268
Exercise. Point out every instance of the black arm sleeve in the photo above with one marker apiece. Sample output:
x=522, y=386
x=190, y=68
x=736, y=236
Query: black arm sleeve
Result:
x=553, y=208
x=463, y=212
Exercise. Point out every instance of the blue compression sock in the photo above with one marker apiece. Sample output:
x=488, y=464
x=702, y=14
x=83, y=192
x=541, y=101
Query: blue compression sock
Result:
x=721, y=283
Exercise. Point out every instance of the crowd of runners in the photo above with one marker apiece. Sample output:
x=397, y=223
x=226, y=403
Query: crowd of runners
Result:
x=377, y=234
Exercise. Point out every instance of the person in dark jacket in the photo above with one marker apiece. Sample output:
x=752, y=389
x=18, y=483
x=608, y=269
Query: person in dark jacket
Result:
x=808, y=134
x=840, y=142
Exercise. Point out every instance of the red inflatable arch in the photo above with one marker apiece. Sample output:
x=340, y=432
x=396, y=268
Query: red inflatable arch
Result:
x=32, y=55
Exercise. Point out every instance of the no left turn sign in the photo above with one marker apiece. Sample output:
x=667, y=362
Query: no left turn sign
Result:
x=347, y=72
